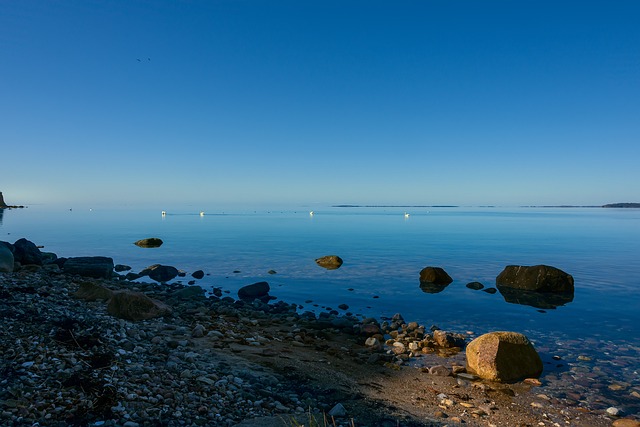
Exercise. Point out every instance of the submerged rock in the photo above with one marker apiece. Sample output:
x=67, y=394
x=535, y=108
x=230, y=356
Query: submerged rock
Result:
x=330, y=262
x=504, y=357
x=151, y=242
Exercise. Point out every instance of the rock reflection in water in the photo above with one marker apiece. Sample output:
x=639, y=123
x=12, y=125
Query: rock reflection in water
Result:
x=432, y=288
x=545, y=300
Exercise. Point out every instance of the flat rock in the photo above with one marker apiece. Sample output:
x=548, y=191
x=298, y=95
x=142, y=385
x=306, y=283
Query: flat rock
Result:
x=97, y=266
x=150, y=242
x=131, y=305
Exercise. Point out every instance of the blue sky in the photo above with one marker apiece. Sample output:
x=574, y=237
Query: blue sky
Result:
x=302, y=102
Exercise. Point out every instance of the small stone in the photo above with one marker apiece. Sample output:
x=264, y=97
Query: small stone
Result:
x=440, y=371
x=613, y=411
x=338, y=411
x=626, y=422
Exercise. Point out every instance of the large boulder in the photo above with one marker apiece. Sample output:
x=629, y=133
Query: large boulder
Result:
x=131, y=305
x=26, y=252
x=6, y=258
x=98, y=267
x=330, y=262
x=258, y=290
x=539, y=278
x=504, y=357
x=160, y=273
x=151, y=242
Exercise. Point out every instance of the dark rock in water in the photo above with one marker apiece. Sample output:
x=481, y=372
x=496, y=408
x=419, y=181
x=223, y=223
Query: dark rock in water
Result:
x=26, y=252
x=257, y=290
x=151, y=242
x=432, y=288
x=476, y=286
x=96, y=266
x=160, y=273
x=132, y=276
x=547, y=300
x=6, y=258
x=503, y=356
x=130, y=305
x=121, y=267
x=490, y=290
x=435, y=275
x=330, y=262
x=539, y=278
x=198, y=274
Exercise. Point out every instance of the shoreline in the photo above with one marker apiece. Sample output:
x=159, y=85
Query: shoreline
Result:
x=218, y=349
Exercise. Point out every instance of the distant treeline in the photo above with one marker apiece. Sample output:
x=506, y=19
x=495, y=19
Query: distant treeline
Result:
x=622, y=205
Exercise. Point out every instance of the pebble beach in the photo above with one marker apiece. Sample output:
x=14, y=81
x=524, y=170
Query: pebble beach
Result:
x=216, y=360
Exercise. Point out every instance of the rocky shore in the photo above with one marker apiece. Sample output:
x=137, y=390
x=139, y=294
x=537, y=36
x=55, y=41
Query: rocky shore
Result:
x=68, y=357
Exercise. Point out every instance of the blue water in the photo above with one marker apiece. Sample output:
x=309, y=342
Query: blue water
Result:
x=383, y=253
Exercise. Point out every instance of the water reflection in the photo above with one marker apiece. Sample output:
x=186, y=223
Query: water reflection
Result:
x=432, y=288
x=1, y=215
x=545, y=300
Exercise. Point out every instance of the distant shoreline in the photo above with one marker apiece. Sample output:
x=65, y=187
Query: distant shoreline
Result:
x=610, y=205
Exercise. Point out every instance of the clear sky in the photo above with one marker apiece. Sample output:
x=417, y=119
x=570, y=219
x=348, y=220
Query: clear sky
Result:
x=293, y=102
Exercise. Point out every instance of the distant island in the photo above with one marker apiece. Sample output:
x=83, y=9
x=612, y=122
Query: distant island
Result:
x=395, y=206
x=622, y=205
x=3, y=205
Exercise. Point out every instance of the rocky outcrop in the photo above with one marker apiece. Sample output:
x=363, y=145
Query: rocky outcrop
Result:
x=98, y=267
x=130, y=305
x=160, y=273
x=2, y=203
x=6, y=258
x=539, y=278
x=151, y=242
x=330, y=262
x=258, y=290
x=504, y=357
x=26, y=252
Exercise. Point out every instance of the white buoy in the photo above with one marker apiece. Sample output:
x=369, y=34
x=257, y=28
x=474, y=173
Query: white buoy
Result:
x=406, y=215
x=311, y=213
x=164, y=213
x=201, y=213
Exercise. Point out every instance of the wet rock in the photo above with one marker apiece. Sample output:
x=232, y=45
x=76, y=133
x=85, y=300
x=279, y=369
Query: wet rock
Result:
x=151, y=242
x=199, y=274
x=135, y=306
x=160, y=273
x=254, y=291
x=476, y=286
x=330, y=262
x=96, y=266
x=539, y=278
x=435, y=275
x=503, y=356
x=121, y=267
x=188, y=293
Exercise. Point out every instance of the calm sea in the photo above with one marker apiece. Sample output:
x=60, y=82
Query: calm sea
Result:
x=383, y=253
